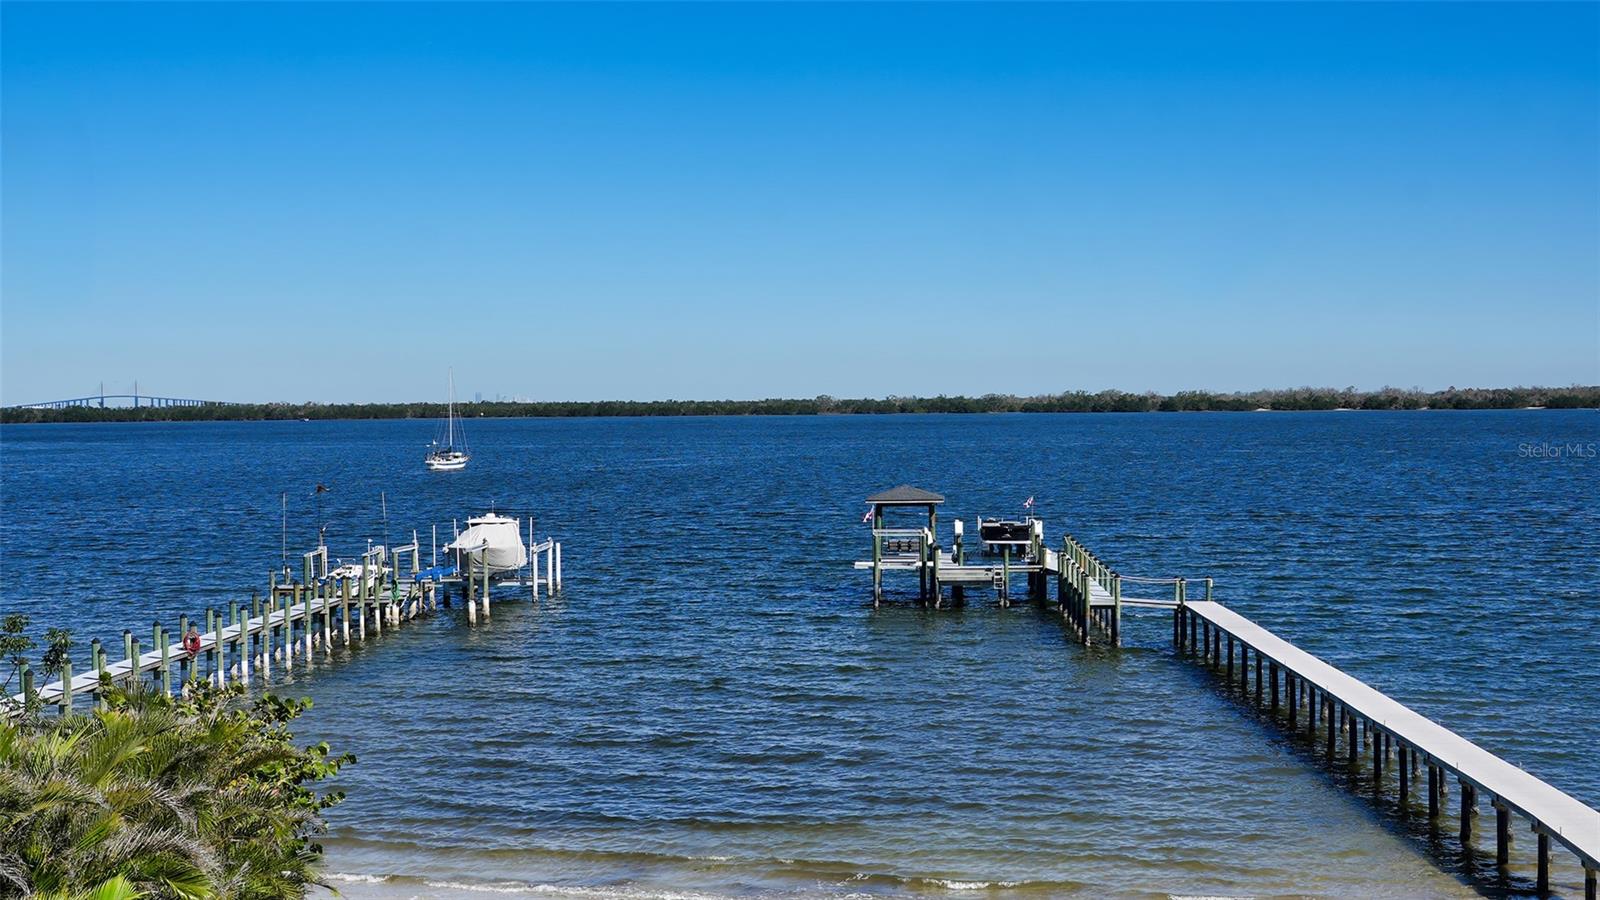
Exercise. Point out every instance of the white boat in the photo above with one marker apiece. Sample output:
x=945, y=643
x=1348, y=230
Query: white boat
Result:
x=359, y=574
x=448, y=457
x=491, y=541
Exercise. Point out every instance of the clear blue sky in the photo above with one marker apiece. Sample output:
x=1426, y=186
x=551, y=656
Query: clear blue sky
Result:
x=335, y=202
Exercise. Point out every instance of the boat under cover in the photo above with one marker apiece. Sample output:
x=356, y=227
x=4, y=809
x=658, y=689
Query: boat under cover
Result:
x=491, y=541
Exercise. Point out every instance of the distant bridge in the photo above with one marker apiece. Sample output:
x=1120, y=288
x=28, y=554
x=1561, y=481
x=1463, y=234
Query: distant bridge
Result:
x=122, y=401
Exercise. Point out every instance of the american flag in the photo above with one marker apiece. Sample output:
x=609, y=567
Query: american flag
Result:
x=867, y=517
x=1028, y=503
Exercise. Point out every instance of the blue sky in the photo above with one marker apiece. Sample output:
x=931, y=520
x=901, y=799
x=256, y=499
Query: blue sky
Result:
x=335, y=202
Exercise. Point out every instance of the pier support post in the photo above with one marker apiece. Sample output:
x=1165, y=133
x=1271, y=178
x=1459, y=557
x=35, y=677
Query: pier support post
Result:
x=1258, y=677
x=344, y=610
x=1333, y=730
x=221, y=668
x=308, y=623
x=211, y=655
x=241, y=642
x=65, y=704
x=1377, y=761
x=1005, y=579
x=269, y=644
x=290, y=601
x=185, y=664
x=1404, y=770
x=327, y=619
x=255, y=613
x=1292, y=690
x=128, y=657
x=1502, y=834
x=1542, y=882
x=165, y=644
x=1433, y=790
x=1591, y=884
x=97, y=665
x=1230, y=660
x=1469, y=808
x=1116, y=609
x=1273, y=667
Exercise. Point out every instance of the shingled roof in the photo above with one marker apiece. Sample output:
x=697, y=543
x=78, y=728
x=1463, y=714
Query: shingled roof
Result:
x=905, y=494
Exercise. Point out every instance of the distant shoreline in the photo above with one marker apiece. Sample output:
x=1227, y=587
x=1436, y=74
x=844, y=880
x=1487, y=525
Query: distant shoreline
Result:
x=1288, y=400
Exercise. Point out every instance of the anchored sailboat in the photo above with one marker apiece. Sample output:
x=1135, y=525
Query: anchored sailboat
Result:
x=449, y=457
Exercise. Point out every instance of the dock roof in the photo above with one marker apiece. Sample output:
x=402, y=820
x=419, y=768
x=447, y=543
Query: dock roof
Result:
x=905, y=495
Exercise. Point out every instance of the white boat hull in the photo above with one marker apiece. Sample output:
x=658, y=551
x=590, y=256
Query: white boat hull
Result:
x=492, y=542
x=446, y=464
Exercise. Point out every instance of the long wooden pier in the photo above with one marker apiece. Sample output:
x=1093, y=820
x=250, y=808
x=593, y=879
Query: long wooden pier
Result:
x=1350, y=713
x=1352, y=719
x=293, y=618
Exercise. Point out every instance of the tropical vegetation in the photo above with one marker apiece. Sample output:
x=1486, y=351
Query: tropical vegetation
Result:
x=204, y=796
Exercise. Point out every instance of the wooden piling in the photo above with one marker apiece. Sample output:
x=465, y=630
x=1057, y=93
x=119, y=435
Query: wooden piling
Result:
x=289, y=603
x=165, y=643
x=241, y=643
x=344, y=611
x=1468, y=808
x=486, y=589
x=1433, y=787
x=1502, y=834
x=1542, y=882
x=307, y=624
x=65, y=704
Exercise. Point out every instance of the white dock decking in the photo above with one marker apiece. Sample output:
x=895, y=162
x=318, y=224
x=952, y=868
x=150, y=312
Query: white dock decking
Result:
x=1552, y=811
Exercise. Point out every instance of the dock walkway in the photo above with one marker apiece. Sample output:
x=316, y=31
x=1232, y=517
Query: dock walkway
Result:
x=1342, y=703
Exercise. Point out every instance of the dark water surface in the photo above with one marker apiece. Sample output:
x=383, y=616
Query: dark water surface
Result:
x=714, y=708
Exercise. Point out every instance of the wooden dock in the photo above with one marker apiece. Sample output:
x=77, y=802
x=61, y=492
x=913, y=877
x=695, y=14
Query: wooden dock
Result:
x=1352, y=719
x=300, y=617
x=1350, y=712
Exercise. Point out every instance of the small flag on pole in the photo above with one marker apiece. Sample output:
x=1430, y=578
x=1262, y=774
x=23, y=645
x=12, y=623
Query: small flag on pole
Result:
x=1028, y=503
x=867, y=517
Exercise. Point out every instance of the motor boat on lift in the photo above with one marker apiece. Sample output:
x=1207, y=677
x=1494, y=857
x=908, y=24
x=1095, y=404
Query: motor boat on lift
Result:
x=492, y=542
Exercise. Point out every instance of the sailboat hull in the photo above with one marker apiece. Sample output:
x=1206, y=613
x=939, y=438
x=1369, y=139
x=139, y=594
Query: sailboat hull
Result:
x=447, y=463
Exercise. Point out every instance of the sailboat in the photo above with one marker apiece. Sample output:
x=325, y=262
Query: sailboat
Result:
x=449, y=457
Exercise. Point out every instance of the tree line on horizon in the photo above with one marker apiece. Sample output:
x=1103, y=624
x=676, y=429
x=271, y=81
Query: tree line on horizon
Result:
x=1302, y=399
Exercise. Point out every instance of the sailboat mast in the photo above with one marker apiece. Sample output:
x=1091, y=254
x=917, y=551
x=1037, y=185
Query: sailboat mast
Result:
x=450, y=413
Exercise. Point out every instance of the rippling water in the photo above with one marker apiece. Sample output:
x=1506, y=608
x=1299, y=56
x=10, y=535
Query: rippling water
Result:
x=713, y=708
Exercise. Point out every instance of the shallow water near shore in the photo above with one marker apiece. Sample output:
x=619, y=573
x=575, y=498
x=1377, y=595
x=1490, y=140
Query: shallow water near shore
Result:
x=713, y=708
